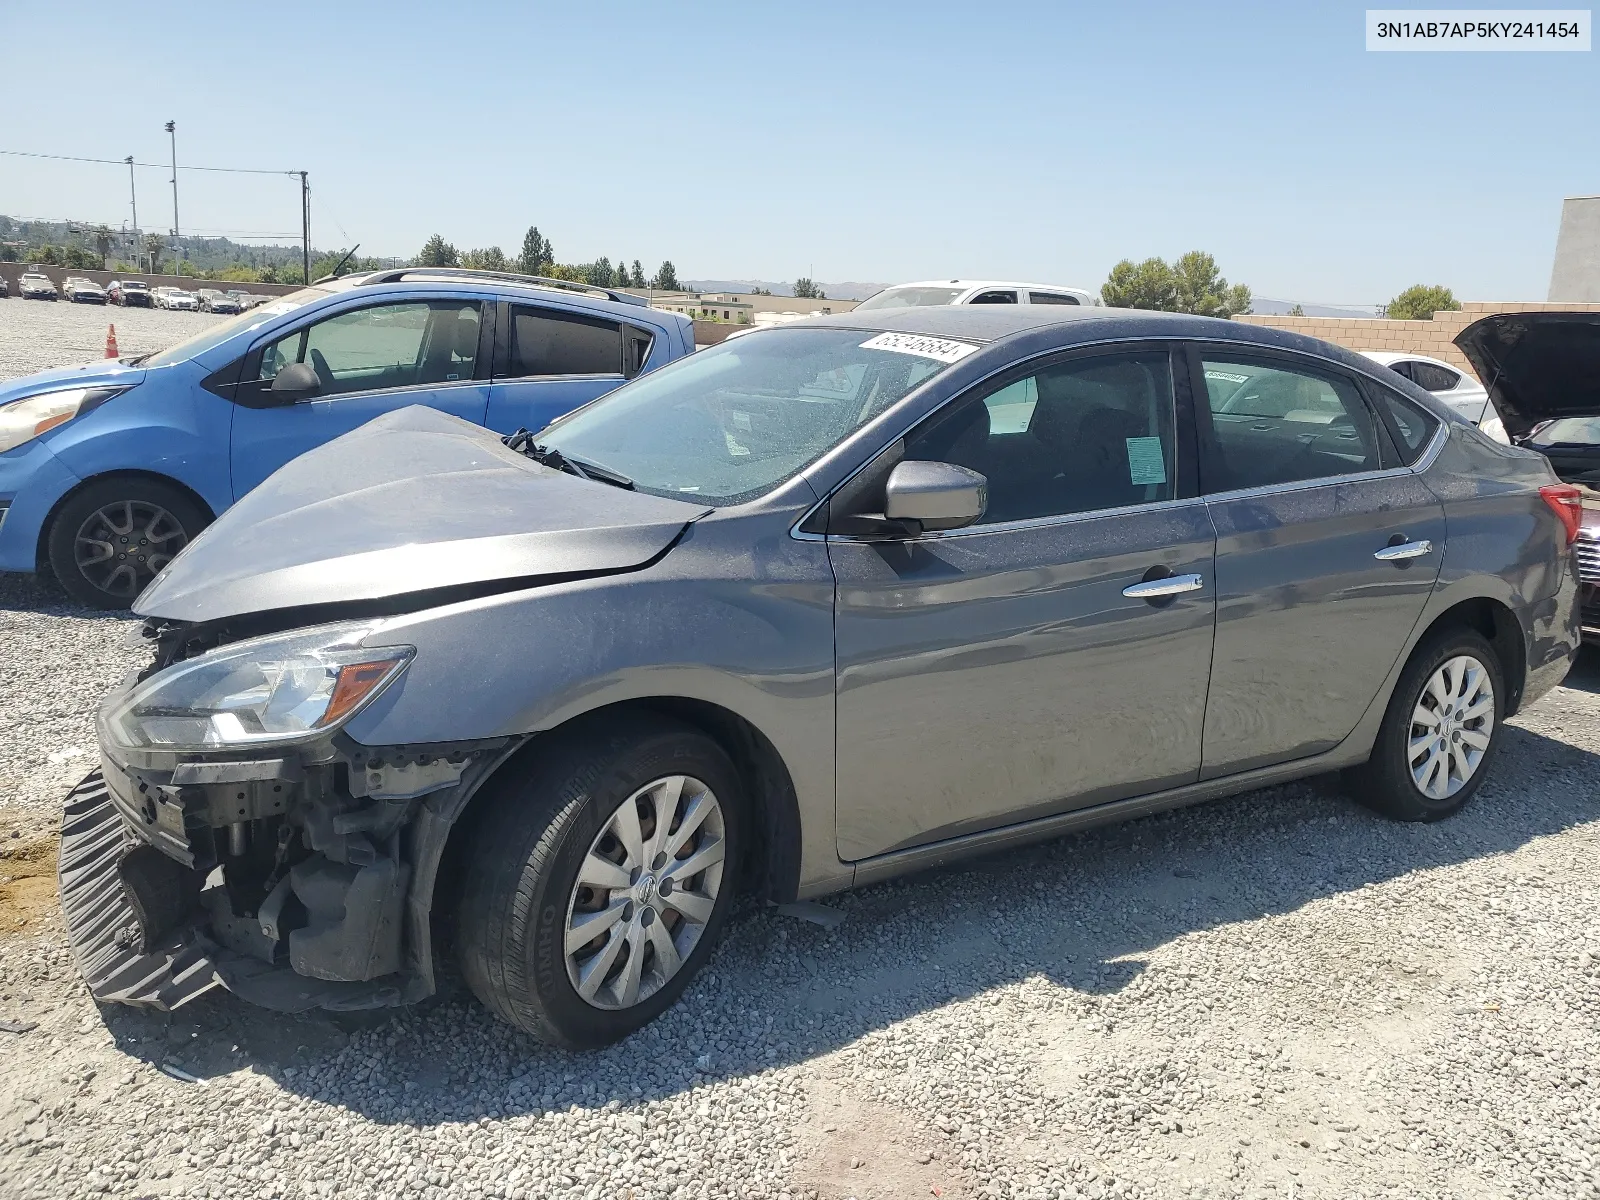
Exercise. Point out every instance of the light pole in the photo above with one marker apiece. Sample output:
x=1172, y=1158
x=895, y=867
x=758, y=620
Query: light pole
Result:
x=133, y=195
x=172, y=127
x=305, y=228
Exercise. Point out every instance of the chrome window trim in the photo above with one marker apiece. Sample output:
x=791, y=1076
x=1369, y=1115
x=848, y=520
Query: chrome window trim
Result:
x=1025, y=523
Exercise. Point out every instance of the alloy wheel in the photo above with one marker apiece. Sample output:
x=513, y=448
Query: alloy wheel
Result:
x=122, y=545
x=1450, y=727
x=645, y=891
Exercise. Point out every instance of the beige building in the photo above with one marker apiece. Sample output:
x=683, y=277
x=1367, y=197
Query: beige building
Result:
x=738, y=308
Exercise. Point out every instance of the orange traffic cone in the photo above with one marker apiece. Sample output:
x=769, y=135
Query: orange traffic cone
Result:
x=111, y=342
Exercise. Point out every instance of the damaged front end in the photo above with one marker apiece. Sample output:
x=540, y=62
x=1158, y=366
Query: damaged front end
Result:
x=235, y=836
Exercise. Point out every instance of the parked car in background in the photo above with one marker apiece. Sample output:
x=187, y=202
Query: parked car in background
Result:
x=36, y=286
x=815, y=607
x=1546, y=392
x=83, y=291
x=176, y=298
x=976, y=291
x=1451, y=385
x=213, y=300
x=107, y=471
x=5, y=288
x=130, y=293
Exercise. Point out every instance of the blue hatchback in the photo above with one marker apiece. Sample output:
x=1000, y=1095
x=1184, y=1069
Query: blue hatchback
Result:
x=107, y=471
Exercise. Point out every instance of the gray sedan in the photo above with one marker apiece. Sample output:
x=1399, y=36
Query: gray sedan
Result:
x=816, y=607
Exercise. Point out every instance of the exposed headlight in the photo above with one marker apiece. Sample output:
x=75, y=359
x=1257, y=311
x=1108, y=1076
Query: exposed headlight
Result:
x=1494, y=429
x=268, y=691
x=23, y=420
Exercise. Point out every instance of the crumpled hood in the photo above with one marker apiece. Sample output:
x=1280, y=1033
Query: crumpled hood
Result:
x=106, y=373
x=412, y=501
x=1537, y=365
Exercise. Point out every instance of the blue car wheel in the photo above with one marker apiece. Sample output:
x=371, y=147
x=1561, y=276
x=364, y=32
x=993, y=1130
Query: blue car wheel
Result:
x=108, y=541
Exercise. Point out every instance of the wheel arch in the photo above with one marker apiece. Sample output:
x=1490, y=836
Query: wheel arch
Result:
x=42, y=549
x=772, y=870
x=1499, y=625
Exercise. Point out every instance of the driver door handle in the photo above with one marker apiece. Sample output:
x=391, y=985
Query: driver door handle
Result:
x=1404, y=551
x=1170, y=585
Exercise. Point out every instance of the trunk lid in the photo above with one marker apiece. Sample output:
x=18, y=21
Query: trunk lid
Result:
x=413, y=501
x=1537, y=366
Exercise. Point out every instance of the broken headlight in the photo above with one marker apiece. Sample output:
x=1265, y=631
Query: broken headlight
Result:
x=267, y=691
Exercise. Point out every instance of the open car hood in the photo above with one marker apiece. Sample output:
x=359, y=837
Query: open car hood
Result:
x=1537, y=365
x=416, y=501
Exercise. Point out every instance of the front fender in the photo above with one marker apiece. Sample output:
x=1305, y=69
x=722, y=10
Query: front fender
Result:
x=167, y=425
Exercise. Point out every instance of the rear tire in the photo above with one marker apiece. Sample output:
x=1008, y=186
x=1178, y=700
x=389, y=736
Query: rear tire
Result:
x=1440, y=733
x=553, y=857
x=108, y=541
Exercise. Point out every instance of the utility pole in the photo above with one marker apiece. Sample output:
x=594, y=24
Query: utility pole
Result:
x=305, y=227
x=172, y=127
x=133, y=195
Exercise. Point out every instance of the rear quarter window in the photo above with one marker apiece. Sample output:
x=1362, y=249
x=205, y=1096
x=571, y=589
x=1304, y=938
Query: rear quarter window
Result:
x=1409, y=425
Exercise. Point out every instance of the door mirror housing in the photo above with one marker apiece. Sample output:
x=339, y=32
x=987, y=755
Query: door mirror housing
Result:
x=297, y=381
x=934, y=495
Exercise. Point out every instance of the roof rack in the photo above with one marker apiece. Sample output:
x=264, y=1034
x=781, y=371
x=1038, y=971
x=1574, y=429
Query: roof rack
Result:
x=395, y=275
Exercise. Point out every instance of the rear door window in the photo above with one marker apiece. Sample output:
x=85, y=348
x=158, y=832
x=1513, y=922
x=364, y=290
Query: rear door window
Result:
x=1433, y=377
x=1051, y=298
x=636, y=345
x=1272, y=423
x=996, y=296
x=1409, y=425
x=549, y=341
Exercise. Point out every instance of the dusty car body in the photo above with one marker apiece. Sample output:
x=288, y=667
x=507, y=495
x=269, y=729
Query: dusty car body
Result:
x=881, y=662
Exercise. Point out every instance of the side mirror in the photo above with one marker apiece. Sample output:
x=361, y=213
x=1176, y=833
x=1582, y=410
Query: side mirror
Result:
x=297, y=381
x=935, y=495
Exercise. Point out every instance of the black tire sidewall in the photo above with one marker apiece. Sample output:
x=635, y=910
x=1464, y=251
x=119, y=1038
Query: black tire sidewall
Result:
x=69, y=518
x=544, y=967
x=1397, y=793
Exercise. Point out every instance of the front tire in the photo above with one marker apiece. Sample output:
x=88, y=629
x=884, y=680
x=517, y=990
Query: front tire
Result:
x=600, y=880
x=1440, y=733
x=108, y=541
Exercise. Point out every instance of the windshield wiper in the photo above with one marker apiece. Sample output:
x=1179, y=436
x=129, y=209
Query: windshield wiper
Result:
x=548, y=456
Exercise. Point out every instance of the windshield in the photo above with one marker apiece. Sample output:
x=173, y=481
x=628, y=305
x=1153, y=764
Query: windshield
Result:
x=213, y=335
x=906, y=297
x=730, y=423
x=1570, y=431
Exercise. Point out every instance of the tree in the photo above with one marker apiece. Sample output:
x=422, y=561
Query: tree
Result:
x=621, y=278
x=760, y=291
x=491, y=258
x=1296, y=311
x=1420, y=302
x=638, y=280
x=804, y=289
x=599, y=273
x=1190, y=285
x=104, y=239
x=537, y=253
x=436, y=252
x=666, y=279
x=155, y=246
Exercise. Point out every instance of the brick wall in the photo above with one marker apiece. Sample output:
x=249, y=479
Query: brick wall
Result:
x=1435, y=338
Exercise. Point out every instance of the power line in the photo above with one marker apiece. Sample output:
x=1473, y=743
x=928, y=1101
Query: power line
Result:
x=122, y=162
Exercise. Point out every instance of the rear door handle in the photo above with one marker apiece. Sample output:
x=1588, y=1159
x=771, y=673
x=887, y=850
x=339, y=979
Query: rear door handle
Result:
x=1403, y=551
x=1169, y=585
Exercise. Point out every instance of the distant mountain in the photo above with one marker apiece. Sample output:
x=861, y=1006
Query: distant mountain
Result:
x=835, y=291
x=1278, y=308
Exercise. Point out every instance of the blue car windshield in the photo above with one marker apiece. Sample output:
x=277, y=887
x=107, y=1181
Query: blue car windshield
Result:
x=730, y=423
x=215, y=335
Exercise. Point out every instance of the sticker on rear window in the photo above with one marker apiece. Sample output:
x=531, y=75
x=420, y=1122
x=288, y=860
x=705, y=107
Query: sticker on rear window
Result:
x=941, y=349
x=1227, y=378
x=1147, y=461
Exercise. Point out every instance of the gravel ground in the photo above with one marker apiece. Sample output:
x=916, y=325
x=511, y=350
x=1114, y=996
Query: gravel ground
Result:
x=35, y=335
x=1275, y=995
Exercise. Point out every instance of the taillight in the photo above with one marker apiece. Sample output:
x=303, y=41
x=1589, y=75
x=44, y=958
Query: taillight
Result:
x=1566, y=501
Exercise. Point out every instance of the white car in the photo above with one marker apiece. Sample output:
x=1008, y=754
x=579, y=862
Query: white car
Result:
x=1452, y=385
x=976, y=291
x=176, y=298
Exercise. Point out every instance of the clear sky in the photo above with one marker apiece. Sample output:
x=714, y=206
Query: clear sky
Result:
x=853, y=141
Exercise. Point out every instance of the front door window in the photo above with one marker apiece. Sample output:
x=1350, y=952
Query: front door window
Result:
x=385, y=346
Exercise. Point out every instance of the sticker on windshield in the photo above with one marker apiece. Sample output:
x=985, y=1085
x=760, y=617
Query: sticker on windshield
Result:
x=941, y=349
x=1226, y=377
x=1147, y=461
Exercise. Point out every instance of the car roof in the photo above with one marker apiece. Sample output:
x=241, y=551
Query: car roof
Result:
x=991, y=322
x=966, y=284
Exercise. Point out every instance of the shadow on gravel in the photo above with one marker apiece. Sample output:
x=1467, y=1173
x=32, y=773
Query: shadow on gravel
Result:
x=1585, y=673
x=1078, y=912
